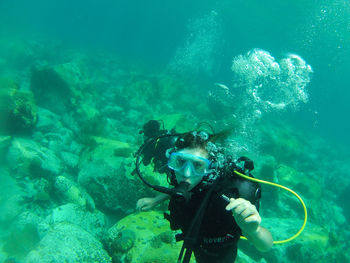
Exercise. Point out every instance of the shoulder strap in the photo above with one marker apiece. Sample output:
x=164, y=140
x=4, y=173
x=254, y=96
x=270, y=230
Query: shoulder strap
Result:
x=191, y=237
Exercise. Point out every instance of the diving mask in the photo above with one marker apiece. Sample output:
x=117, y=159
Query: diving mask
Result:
x=199, y=166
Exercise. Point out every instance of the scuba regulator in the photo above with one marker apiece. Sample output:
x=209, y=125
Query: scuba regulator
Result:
x=180, y=191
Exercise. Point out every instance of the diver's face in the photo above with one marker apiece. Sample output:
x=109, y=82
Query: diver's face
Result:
x=191, y=165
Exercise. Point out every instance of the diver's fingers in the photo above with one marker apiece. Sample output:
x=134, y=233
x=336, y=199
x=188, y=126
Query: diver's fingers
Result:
x=248, y=212
x=138, y=204
x=238, y=210
x=234, y=203
x=253, y=218
x=141, y=204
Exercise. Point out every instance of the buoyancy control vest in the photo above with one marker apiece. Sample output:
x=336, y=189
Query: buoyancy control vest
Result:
x=218, y=225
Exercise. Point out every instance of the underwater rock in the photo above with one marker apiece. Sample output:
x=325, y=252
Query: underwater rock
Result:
x=47, y=121
x=51, y=133
x=141, y=90
x=10, y=197
x=124, y=133
x=299, y=181
x=27, y=158
x=51, y=91
x=65, y=242
x=112, y=111
x=266, y=165
x=105, y=172
x=18, y=112
x=169, y=86
x=142, y=238
x=69, y=160
x=283, y=143
x=65, y=88
x=178, y=121
x=93, y=222
x=117, y=148
x=88, y=118
x=5, y=142
x=72, y=193
x=74, y=73
x=25, y=218
x=108, y=184
x=42, y=191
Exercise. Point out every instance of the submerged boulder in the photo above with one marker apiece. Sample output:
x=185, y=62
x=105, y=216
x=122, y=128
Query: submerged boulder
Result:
x=27, y=158
x=66, y=242
x=106, y=174
x=66, y=90
x=109, y=186
x=51, y=91
x=93, y=222
x=142, y=238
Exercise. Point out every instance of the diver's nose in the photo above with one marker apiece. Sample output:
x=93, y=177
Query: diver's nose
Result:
x=187, y=170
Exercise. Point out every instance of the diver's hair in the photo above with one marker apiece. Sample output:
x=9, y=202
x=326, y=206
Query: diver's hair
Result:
x=199, y=139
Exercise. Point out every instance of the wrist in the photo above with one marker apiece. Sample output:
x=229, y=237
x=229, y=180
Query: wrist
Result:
x=261, y=239
x=160, y=198
x=253, y=233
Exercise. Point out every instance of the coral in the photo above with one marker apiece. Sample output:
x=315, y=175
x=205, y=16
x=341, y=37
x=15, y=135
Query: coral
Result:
x=153, y=241
x=124, y=242
x=167, y=237
x=72, y=193
x=18, y=111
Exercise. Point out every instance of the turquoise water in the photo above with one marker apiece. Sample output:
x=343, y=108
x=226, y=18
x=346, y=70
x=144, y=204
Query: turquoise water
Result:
x=78, y=80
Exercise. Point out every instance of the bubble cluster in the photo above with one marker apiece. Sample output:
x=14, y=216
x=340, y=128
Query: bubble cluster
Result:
x=272, y=85
x=196, y=55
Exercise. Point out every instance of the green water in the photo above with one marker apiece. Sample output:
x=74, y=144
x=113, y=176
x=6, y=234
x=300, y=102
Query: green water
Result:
x=75, y=75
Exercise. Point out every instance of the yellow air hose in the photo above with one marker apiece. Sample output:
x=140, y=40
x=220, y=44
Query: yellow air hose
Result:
x=287, y=189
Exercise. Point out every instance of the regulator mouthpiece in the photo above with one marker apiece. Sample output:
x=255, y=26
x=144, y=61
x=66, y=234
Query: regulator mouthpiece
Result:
x=182, y=191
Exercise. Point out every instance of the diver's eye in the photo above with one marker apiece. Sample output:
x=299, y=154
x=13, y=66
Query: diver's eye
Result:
x=180, y=162
x=197, y=165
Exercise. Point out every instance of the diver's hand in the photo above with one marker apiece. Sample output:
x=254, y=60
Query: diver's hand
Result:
x=146, y=204
x=245, y=214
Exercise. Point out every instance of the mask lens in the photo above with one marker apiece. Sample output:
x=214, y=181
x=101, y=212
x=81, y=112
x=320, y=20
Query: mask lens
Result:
x=199, y=165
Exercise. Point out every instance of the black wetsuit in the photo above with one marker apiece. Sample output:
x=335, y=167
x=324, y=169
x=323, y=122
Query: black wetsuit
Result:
x=219, y=233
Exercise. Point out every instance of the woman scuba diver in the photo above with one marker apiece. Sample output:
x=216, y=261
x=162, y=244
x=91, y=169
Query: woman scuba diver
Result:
x=209, y=202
